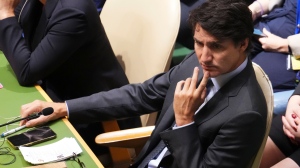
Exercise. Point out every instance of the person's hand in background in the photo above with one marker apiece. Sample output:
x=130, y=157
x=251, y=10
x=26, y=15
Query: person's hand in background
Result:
x=291, y=120
x=273, y=43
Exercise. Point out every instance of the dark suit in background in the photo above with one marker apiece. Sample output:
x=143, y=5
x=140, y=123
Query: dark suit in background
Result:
x=99, y=5
x=62, y=44
x=227, y=132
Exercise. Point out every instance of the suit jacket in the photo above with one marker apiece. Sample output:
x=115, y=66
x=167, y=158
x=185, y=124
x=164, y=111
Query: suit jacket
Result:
x=64, y=45
x=227, y=132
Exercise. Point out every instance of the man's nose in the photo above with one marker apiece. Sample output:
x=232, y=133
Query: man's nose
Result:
x=206, y=54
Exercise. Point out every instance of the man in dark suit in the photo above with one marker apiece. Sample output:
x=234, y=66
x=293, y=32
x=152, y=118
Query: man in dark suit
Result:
x=222, y=128
x=61, y=45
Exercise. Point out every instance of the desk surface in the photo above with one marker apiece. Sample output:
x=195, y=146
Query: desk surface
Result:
x=12, y=96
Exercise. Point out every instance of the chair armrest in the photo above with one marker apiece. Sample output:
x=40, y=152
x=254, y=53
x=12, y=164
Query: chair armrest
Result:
x=129, y=138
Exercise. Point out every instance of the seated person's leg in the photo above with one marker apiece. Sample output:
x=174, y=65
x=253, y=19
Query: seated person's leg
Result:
x=279, y=146
x=271, y=154
x=287, y=162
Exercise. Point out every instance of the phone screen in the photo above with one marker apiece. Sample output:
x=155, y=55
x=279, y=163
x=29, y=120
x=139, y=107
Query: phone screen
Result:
x=257, y=32
x=31, y=137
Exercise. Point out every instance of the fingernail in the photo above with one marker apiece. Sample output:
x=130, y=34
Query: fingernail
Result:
x=294, y=116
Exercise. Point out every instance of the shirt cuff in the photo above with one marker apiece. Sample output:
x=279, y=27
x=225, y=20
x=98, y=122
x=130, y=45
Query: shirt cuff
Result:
x=67, y=108
x=175, y=126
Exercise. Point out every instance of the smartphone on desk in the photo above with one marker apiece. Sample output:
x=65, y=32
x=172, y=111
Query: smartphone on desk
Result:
x=31, y=137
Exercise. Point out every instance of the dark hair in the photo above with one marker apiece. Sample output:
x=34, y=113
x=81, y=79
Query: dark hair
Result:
x=224, y=19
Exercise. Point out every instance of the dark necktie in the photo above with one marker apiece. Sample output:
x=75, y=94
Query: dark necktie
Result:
x=209, y=85
x=156, y=151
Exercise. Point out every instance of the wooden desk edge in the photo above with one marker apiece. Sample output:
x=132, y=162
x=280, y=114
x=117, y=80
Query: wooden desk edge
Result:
x=69, y=125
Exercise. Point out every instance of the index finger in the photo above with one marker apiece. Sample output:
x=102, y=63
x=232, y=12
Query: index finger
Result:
x=28, y=109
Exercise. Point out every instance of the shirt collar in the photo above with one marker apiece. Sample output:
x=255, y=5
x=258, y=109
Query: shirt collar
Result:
x=221, y=80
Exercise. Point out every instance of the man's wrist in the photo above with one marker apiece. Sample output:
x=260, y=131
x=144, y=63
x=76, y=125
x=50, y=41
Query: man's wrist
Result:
x=62, y=109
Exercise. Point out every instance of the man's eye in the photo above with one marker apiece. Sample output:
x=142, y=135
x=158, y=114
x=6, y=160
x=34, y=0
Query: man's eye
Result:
x=216, y=46
x=198, y=43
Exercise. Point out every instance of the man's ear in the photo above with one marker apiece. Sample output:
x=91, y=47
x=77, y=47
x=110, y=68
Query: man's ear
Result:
x=244, y=44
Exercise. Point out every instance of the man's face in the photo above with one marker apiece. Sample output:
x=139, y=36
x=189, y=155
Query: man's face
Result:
x=217, y=57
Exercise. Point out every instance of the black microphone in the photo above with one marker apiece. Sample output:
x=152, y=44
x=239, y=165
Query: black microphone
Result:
x=45, y=112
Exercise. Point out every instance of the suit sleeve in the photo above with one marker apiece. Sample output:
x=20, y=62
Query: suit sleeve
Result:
x=64, y=35
x=236, y=143
x=127, y=101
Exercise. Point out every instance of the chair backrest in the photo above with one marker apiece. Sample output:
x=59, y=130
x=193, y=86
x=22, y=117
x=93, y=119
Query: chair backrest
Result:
x=267, y=89
x=142, y=34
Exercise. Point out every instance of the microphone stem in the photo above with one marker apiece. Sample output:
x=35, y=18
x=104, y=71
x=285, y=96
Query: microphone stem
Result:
x=11, y=122
x=26, y=118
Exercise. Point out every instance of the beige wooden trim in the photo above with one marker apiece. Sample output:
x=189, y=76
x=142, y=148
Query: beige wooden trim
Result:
x=119, y=156
x=72, y=129
x=43, y=93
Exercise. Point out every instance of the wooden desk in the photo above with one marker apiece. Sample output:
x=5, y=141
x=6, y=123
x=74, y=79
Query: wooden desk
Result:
x=12, y=96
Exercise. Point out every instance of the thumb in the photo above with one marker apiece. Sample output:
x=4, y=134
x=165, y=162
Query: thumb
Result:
x=32, y=123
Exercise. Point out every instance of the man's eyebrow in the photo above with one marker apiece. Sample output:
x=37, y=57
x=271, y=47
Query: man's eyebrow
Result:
x=211, y=42
x=216, y=42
